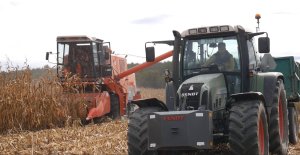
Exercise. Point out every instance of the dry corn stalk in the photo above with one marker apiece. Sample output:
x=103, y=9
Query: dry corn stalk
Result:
x=26, y=104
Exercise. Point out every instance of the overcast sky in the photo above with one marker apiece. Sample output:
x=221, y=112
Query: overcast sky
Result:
x=29, y=28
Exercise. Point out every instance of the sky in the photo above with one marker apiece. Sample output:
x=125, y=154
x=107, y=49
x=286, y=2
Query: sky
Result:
x=28, y=28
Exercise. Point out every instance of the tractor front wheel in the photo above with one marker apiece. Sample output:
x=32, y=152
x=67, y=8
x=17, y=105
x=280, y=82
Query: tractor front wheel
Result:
x=248, y=129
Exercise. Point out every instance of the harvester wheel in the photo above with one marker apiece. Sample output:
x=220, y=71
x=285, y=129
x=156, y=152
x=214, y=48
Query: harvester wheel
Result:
x=248, y=129
x=137, y=131
x=98, y=120
x=293, y=125
x=115, y=106
x=84, y=122
x=278, y=128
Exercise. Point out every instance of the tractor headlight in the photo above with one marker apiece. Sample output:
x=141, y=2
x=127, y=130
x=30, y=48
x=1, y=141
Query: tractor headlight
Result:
x=202, y=30
x=192, y=31
x=224, y=28
x=214, y=29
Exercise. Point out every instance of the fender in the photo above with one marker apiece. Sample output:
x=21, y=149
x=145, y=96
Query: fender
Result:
x=150, y=102
x=269, y=85
x=291, y=104
x=247, y=96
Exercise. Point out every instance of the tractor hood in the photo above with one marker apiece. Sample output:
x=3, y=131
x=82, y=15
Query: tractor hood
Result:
x=207, y=91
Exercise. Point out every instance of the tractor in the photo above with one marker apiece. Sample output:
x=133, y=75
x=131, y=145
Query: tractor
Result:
x=220, y=92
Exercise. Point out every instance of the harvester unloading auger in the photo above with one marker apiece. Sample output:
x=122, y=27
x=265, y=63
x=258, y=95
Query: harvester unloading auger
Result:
x=105, y=83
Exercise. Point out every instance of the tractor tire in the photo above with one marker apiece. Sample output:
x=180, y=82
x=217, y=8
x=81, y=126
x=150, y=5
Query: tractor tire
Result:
x=278, y=123
x=114, y=106
x=248, y=129
x=293, y=125
x=137, y=131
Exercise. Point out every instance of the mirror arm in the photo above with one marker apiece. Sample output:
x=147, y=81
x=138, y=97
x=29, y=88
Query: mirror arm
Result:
x=168, y=42
x=251, y=35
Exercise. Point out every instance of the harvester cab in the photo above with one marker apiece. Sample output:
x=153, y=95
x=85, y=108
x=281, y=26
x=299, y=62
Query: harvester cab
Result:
x=87, y=57
x=219, y=93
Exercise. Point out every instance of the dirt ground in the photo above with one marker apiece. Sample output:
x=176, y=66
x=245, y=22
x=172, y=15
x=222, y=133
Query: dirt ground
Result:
x=109, y=137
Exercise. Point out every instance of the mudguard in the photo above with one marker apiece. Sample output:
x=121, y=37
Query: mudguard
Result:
x=150, y=102
x=292, y=104
x=247, y=96
x=269, y=85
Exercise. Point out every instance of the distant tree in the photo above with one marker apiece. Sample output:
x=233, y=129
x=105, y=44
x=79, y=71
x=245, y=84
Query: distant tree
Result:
x=152, y=77
x=46, y=67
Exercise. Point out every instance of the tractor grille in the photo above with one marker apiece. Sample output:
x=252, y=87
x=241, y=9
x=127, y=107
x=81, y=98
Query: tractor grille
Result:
x=191, y=94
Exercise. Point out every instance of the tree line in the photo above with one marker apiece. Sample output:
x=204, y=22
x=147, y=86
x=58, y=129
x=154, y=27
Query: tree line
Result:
x=151, y=77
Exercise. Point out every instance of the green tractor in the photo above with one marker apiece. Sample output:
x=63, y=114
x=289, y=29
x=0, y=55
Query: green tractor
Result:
x=220, y=92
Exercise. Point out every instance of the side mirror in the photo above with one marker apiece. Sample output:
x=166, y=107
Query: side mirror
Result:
x=106, y=55
x=150, y=54
x=264, y=45
x=47, y=55
x=106, y=52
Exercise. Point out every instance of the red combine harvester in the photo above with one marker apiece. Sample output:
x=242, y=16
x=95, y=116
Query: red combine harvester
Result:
x=104, y=82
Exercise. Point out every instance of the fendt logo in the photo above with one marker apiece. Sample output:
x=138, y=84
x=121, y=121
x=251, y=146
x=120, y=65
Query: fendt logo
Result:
x=191, y=87
x=173, y=118
x=189, y=94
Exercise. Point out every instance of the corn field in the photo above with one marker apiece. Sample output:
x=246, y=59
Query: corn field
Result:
x=32, y=105
x=27, y=106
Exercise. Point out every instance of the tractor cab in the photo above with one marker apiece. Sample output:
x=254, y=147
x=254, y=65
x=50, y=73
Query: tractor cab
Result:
x=221, y=49
x=212, y=63
x=212, y=56
x=87, y=57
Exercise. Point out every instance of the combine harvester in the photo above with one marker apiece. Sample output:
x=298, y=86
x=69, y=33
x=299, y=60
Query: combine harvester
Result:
x=232, y=98
x=104, y=82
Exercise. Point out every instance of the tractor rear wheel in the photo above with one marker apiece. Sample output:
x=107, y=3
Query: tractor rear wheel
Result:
x=293, y=125
x=137, y=131
x=278, y=128
x=114, y=106
x=248, y=129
